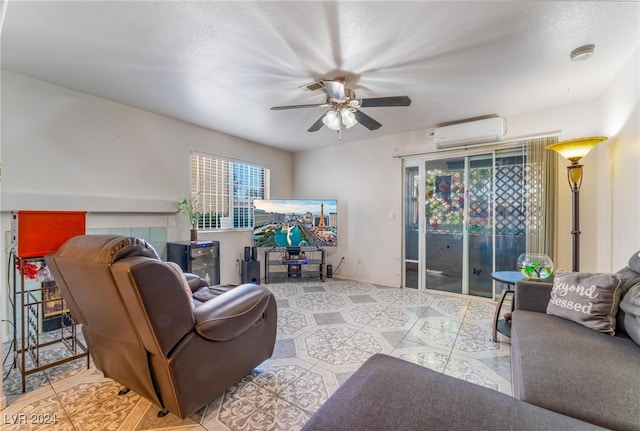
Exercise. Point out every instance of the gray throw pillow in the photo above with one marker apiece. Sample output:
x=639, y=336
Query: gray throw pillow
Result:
x=630, y=276
x=585, y=298
x=630, y=309
x=631, y=273
x=634, y=262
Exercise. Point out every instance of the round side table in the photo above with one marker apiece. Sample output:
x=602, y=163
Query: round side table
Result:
x=509, y=278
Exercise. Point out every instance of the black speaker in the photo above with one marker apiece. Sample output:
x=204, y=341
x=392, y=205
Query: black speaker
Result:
x=329, y=271
x=247, y=254
x=254, y=253
x=250, y=272
x=294, y=271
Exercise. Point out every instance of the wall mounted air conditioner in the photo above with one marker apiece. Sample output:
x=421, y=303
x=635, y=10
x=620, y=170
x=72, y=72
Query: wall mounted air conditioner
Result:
x=469, y=133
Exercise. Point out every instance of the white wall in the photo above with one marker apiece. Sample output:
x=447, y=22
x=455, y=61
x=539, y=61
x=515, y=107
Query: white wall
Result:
x=64, y=150
x=70, y=150
x=366, y=180
x=618, y=173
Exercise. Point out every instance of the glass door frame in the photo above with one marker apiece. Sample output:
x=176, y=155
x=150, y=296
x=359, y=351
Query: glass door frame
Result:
x=421, y=255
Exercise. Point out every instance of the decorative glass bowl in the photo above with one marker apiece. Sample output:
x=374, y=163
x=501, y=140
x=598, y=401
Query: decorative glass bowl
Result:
x=535, y=266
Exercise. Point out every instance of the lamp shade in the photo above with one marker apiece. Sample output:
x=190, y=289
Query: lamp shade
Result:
x=348, y=118
x=575, y=149
x=331, y=120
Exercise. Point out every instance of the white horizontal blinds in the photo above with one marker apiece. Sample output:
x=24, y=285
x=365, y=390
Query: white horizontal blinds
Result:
x=248, y=184
x=209, y=186
x=225, y=191
x=266, y=178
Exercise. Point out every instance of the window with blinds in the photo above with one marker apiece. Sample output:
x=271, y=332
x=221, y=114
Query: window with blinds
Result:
x=224, y=191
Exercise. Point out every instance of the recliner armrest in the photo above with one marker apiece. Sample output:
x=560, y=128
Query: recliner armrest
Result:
x=231, y=313
x=195, y=282
x=532, y=296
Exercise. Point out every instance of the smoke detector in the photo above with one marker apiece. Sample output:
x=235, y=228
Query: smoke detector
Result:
x=583, y=52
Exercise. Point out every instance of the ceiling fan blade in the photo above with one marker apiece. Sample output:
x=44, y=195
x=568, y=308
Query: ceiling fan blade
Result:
x=317, y=125
x=313, y=86
x=335, y=90
x=366, y=121
x=385, y=101
x=313, y=105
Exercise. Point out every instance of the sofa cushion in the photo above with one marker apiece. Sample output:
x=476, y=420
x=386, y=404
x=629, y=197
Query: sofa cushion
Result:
x=630, y=311
x=387, y=393
x=568, y=368
x=629, y=278
x=634, y=262
x=585, y=298
x=630, y=273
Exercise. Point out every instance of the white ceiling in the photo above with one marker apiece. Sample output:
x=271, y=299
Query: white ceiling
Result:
x=222, y=65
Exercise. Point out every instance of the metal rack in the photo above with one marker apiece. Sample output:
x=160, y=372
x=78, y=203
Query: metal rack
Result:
x=30, y=306
x=280, y=267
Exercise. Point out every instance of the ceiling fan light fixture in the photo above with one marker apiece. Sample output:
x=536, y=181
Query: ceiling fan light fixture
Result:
x=348, y=118
x=331, y=120
x=344, y=108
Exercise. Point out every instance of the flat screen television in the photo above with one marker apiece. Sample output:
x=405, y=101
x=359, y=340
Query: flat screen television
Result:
x=295, y=222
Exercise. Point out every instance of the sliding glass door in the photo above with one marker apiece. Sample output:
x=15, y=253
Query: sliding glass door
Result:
x=445, y=244
x=464, y=218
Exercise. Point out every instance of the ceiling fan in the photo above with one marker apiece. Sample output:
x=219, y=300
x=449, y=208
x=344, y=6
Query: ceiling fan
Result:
x=344, y=106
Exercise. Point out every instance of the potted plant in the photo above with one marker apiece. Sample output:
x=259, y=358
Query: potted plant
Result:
x=189, y=206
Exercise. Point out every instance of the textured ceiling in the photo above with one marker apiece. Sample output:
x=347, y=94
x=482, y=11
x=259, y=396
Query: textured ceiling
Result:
x=222, y=65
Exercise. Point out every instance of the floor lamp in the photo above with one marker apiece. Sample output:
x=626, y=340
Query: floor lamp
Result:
x=574, y=150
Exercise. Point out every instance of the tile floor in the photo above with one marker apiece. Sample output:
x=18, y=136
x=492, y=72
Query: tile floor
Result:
x=325, y=331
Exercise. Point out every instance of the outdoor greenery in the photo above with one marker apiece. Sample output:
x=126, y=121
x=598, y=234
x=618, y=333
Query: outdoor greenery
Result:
x=445, y=200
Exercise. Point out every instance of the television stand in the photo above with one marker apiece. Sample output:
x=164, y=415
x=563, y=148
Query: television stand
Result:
x=294, y=264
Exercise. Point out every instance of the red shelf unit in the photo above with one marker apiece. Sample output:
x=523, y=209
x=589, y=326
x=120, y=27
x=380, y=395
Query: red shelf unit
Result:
x=36, y=233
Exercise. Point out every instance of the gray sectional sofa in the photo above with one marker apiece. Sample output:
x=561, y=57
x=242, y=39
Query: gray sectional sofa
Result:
x=390, y=394
x=571, y=369
x=566, y=377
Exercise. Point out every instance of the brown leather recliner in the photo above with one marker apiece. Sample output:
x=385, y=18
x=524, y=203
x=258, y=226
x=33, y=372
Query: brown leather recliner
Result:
x=142, y=331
